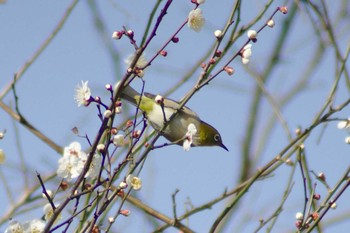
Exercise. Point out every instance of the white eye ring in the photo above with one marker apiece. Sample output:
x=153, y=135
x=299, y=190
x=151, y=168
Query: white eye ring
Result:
x=217, y=137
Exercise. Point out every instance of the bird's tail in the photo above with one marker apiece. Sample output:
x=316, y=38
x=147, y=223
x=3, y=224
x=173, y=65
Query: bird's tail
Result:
x=129, y=94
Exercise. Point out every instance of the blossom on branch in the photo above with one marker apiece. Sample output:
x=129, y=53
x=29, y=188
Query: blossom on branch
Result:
x=134, y=181
x=71, y=164
x=82, y=94
x=33, y=226
x=196, y=20
x=246, y=53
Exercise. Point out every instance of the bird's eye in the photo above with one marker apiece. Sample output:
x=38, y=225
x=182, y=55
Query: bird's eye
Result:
x=217, y=137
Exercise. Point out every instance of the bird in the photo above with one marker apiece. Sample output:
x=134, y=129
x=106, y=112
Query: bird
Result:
x=158, y=111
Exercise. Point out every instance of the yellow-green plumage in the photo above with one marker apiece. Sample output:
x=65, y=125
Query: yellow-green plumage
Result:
x=176, y=130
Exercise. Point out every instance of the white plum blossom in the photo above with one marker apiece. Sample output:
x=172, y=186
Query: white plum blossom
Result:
x=118, y=140
x=123, y=185
x=71, y=164
x=14, y=227
x=246, y=53
x=134, y=181
x=200, y=2
x=34, y=226
x=191, y=130
x=196, y=20
x=94, y=166
x=82, y=94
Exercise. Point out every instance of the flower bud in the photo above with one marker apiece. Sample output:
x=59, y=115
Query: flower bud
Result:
x=97, y=99
x=107, y=113
x=218, y=34
x=129, y=123
x=283, y=9
x=64, y=185
x=334, y=205
x=159, y=99
x=252, y=34
x=101, y=147
x=136, y=134
x=317, y=196
x=299, y=216
x=117, y=35
x=229, y=70
x=347, y=140
x=109, y=87
x=321, y=176
x=163, y=53
x=270, y=23
x=218, y=53
x=314, y=215
x=123, y=185
x=175, y=39
x=114, y=131
x=95, y=229
x=298, y=224
x=2, y=134
x=125, y=212
x=130, y=33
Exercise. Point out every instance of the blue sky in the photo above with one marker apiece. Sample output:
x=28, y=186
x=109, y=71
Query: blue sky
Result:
x=78, y=53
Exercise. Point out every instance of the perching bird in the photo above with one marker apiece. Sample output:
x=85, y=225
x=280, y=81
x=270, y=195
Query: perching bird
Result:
x=178, y=128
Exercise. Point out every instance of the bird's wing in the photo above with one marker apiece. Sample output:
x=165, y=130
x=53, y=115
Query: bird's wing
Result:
x=169, y=103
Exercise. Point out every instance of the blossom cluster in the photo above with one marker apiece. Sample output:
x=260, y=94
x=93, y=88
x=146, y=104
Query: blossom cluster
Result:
x=71, y=164
x=32, y=226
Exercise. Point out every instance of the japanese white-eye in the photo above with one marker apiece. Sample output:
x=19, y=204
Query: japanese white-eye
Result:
x=158, y=111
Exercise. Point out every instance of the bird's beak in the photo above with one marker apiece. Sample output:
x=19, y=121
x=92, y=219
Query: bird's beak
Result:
x=223, y=146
